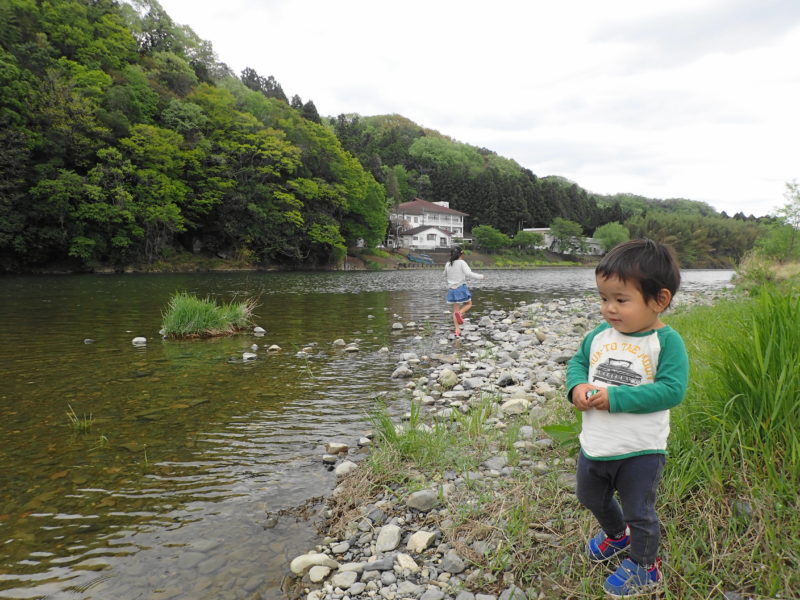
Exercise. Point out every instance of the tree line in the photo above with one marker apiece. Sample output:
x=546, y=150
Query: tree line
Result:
x=502, y=198
x=123, y=138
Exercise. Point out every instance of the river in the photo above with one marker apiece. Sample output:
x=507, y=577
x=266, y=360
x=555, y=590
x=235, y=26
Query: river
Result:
x=189, y=450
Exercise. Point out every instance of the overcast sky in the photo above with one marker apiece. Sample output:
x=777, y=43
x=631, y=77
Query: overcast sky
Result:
x=696, y=99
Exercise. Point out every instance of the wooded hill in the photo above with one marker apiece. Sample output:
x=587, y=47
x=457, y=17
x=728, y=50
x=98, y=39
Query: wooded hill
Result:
x=124, y=138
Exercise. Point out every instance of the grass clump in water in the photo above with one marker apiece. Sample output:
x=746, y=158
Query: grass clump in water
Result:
x=190, y=316
x=79, y=424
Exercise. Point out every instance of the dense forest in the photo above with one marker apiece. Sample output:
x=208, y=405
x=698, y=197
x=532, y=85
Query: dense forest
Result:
x=123, y=140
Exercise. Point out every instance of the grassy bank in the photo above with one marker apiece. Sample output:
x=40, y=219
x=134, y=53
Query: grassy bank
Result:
x=728, y=503
x=190, y=316
x=731, y=489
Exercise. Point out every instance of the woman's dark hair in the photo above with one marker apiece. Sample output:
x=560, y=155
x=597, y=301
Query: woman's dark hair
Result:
x=651, y=265
x=455, y=254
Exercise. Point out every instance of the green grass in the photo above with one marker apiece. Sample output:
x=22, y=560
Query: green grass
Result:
x=730, y=490
x=82, y=424
x=189, y=316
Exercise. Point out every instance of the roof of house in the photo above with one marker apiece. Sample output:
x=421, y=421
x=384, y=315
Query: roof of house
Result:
x=422, y=228
x=419, y=206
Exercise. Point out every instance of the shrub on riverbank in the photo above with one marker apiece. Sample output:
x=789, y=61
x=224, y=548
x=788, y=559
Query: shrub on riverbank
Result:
x=189, y=316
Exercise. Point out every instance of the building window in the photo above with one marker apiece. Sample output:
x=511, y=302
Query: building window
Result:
x=431, y=237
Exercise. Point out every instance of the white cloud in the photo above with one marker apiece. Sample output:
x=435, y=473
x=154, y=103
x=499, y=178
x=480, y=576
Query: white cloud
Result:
x=691, y=98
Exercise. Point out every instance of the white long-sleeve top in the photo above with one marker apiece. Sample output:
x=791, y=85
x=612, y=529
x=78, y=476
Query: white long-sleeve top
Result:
x=458, y=272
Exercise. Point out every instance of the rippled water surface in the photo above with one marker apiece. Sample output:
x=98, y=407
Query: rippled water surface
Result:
x=168, y=493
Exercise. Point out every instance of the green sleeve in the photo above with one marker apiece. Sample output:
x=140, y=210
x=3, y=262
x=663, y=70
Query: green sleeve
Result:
x=669, y=387
x=578, y=365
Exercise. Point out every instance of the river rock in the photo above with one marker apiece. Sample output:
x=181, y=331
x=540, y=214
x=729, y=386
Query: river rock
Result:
x=513, y=593
x=453, y=563
x=344, y=579
x=448, y=378
x=304, y=562
x=345, y=467
x=139, y=341
x=515, y=406
x=318, y=573
x=336, y=448
x=420, y=541
x=402, y=372
x=388, y=538
x=423, y=500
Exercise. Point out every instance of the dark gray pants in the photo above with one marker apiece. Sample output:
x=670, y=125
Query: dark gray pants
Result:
x=636, y=480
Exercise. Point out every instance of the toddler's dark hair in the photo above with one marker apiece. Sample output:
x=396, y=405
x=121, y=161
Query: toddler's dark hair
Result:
x=651, y=265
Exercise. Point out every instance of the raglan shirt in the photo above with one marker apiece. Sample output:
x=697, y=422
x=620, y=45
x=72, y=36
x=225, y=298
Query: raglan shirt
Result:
x=645, y=373
x=458, y=272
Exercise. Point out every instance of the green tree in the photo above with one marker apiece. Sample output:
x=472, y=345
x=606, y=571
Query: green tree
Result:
x=567, y=236
x=611, y=234
x=789, y=213
x=266, y=85
x=489, y=238
x=781, y=239
x=309, y=111
x=527, y=239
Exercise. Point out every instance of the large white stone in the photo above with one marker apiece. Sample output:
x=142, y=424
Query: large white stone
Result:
x=388, y=538
x=345, y=467
x=336, y=447
x=318, y=572
x=420, y=541
x=344, y=579
x=304, y=562
x=515, y=406
x=404, y=561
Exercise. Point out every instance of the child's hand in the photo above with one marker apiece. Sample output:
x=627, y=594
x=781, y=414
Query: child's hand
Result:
x=581, y=394
x=599, y=400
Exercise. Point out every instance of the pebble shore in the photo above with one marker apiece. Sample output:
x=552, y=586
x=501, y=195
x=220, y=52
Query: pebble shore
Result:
x=397, y=547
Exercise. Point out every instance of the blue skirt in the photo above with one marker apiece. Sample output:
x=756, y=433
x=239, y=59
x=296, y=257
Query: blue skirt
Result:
x=459, y=295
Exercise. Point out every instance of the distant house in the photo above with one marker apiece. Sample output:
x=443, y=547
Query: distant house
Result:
x=424, y=237
x=424, y=225
x=593, y=246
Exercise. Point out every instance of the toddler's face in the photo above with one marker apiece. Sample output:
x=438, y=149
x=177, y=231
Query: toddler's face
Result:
x=624, y=308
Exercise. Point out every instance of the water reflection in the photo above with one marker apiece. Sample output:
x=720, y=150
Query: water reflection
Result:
x=168, y=492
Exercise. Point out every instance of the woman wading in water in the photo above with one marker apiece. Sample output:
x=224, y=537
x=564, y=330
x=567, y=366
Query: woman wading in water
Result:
x=457, y=271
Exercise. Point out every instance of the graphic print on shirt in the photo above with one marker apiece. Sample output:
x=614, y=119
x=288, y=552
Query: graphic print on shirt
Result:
x=617, y=362
x=617, y=372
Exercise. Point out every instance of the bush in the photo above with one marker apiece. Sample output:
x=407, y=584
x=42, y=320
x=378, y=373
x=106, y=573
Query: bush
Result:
x=189, y=316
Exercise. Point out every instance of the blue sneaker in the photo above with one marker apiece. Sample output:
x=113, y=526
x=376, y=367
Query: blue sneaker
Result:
x=601, y=547
x=631, y=580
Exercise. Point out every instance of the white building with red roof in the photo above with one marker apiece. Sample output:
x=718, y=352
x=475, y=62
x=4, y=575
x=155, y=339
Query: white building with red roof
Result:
x=424, y=225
